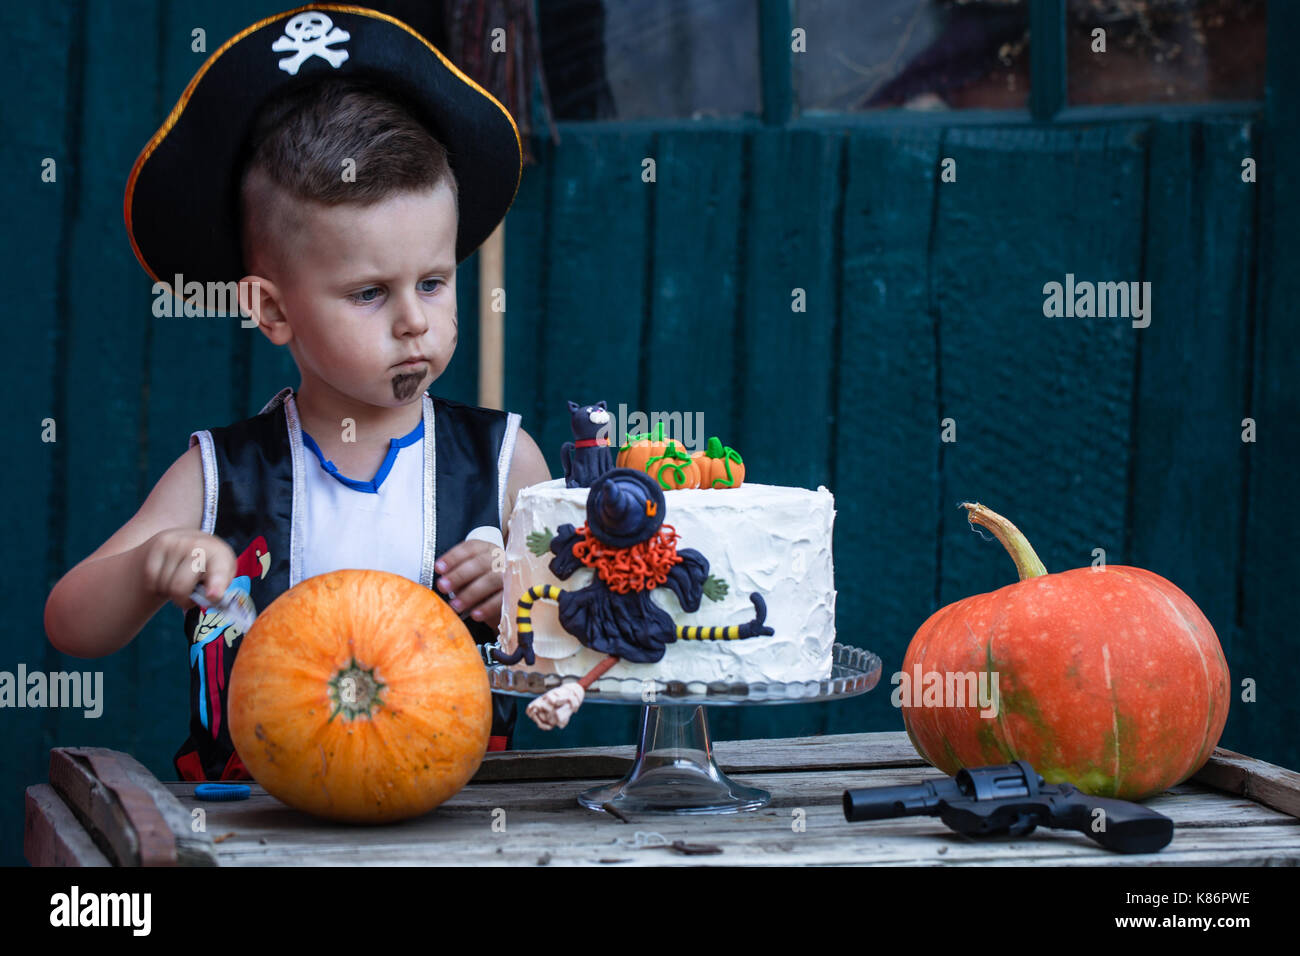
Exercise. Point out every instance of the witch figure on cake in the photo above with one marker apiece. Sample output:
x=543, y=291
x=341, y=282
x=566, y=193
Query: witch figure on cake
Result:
x=633, y=552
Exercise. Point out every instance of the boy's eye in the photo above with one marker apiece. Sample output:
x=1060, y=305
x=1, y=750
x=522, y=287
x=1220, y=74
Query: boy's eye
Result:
x=430, y=285
x=367, y=295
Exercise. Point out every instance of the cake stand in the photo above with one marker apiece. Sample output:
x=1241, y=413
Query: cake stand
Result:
x=674, y=771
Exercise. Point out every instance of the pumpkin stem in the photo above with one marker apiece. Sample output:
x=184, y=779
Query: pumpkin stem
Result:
x=1017, y=545
x=355, y=691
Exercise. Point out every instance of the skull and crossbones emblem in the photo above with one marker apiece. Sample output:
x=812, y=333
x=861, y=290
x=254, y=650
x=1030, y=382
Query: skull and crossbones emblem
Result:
x=307, y=35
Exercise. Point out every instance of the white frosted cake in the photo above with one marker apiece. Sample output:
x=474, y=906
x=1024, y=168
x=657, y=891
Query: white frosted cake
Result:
x=757, y=538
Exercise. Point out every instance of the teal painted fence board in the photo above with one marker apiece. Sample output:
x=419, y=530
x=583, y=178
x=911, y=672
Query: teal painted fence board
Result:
x=689, y=352
x=1195, y=365
x=596, y=302
x=596, y=285
x=886, y=416
x=106, y=354
x=33, y=340
x=197, y=377
x=526, y=275
x=1042, y=406
x=787, y=335
x=1265, y=651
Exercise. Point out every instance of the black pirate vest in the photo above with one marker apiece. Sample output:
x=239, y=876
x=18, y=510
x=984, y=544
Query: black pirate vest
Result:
x=250, y=472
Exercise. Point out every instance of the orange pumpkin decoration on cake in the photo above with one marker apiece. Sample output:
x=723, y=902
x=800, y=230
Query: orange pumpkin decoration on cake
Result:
x=360, y=696
x=660, y=457
x=720, y=466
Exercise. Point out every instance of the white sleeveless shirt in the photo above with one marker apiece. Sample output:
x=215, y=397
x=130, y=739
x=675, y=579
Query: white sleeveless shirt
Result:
x=375, y=524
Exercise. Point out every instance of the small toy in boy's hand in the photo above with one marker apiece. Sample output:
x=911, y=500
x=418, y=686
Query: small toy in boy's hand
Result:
x=588, y=456
x=236, y=605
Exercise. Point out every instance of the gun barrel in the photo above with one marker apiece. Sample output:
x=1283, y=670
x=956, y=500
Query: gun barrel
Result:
x=908, y=800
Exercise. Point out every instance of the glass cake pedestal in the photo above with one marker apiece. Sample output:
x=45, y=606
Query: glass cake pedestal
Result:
x=674, y=771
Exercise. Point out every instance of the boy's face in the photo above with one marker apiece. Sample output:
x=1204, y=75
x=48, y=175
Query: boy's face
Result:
x=363, y=289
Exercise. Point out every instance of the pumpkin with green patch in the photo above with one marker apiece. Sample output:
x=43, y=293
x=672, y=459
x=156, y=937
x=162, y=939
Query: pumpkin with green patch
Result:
x=1108, y=677
x=660, y=457
x=720, y=465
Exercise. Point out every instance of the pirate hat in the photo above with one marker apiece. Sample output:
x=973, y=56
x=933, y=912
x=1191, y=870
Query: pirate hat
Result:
x=181, y=206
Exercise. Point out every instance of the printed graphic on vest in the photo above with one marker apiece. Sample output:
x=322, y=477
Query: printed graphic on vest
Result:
x=214, y=634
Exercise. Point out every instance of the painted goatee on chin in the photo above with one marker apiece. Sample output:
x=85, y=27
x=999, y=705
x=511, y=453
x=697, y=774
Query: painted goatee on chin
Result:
x=406, y=385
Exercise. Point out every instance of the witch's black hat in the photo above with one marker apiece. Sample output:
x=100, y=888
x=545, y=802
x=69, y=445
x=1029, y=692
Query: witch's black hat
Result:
x=624, y=507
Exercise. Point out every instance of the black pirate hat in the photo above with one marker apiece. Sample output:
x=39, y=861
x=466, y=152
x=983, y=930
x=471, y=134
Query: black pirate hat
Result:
x=181, y=206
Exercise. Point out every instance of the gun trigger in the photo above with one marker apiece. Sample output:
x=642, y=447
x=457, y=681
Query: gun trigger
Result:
x=1023, y=825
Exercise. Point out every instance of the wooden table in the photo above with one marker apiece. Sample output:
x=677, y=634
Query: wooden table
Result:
x=103, y=807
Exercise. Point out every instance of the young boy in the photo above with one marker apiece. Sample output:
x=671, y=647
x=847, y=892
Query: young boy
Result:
x=310, y=176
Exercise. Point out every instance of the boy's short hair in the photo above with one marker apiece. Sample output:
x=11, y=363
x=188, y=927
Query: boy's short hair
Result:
x=298, y=151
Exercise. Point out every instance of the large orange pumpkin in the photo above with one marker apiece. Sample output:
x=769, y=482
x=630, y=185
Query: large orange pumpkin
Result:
x=1108, y=677
x=359, y=696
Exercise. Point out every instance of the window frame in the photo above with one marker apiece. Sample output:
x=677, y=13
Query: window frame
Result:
x=1048, y=64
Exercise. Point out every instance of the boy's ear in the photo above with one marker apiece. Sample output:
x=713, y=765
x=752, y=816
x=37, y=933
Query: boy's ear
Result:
x=259, y=300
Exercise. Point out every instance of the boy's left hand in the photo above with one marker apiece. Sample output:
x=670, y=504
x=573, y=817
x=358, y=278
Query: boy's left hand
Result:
x=471, y=573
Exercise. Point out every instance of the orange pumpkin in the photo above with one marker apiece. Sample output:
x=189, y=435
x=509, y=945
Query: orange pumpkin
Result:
x=360, y=696
x=720, y=466
x=663, y=458
x=1108, y=677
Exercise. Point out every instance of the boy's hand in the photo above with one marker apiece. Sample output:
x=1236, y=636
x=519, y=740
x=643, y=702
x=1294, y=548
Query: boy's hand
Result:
x=177, y=559
x=471, y=574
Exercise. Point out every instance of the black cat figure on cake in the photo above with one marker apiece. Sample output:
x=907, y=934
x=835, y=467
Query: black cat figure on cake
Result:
x=588, y=456
x=626, y=542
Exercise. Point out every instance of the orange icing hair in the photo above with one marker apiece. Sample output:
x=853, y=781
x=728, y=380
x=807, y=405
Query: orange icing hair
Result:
x=643, y=566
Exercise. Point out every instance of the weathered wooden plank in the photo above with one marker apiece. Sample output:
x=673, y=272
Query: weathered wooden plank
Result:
x=886, y=436
x=1051, y=850
x=132, y=782
x=93, y=804
x=689, y=352
x=542, y=816
x=126, y=809
x=807, y=778
x=1269, y=784
x=1189, y=460
x=793, y=754
x=1041, y=405
x=52, y=836
x=157, y=843
x=542, y=819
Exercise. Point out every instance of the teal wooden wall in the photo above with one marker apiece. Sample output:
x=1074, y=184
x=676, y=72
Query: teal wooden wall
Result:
x=924, y=302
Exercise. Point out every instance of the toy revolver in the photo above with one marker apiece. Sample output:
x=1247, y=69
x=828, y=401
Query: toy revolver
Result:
x=1012, y=800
